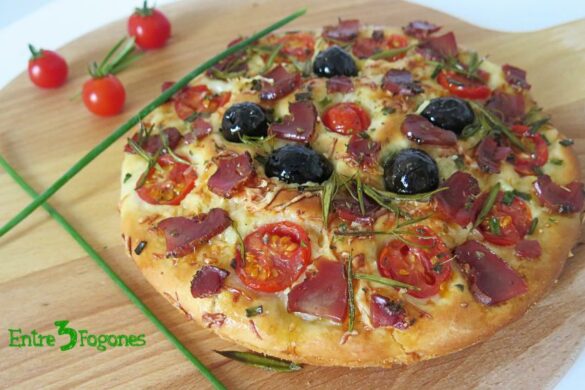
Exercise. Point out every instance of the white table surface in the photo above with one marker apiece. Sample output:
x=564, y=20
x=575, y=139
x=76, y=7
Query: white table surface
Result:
x=24, y=21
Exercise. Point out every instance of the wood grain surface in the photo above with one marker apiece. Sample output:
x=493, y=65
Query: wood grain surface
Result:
x=45, y=276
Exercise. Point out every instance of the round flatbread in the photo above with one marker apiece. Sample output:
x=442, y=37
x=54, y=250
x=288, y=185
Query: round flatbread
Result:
x=353, y=196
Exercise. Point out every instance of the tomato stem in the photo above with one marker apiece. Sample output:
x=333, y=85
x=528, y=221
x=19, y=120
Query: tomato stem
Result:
x=35, y=53
x=145, y=10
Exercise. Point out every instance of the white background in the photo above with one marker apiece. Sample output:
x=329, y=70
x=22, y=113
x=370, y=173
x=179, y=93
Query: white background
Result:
x=52, y=23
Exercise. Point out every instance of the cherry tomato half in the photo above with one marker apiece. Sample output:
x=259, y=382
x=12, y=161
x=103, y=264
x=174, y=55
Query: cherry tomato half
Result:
x=524, y=163
x=276, y=255
x=46, y=68
x=346, y=118
x=505, y=224
x=150, y=28
x=299, y=45
x=396, y=41
x=198, y=99
x=104, y=96
x=169, y=183
x=424, y=264
x=462, y=86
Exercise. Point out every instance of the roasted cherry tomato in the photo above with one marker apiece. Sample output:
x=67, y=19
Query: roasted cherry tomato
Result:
x=104, y=96
x=46, y=69
x=506, y=224
x=462, y=86
x=346, y=118
x=168, y=183
x=299, y=45
x=276, y=255
x=396, y=41
x=525, y=163
x=198, y=99
x=424, y=264
x=149, y=27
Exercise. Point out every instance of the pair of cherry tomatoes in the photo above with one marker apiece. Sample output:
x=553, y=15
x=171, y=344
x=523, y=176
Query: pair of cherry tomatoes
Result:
x=103, y=95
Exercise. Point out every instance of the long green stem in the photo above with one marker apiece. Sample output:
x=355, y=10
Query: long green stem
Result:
x=120, y=131
x=106, y=268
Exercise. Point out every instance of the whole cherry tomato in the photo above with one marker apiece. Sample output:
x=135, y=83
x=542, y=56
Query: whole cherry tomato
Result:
x=46, y=69
x=104, y=96
x=149, y=27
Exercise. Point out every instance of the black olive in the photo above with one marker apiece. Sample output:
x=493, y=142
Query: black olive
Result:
x=298, y=164
x=449, y=113
x=411, y=171
x=244, y=119
x=334, y=61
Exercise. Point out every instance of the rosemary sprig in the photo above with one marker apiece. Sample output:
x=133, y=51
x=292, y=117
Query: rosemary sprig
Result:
x=94, y=255
x=262, y=361
x=454, y=65
x=359, y=188
x=165, y=145
x=350, y=293
x=152, y=162
x=390, y=53
x=487, y=204
x=385, y=281
x=329, y=189
x=272, y=57
x=120, y=131
x=490, y=123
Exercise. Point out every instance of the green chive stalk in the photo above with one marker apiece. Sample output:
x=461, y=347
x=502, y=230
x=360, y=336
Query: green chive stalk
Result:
x=93, y=254
x=120, y=131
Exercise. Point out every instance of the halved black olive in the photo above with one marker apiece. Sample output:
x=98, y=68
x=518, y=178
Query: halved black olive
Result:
x=449, y=113
x=411, y=171
x=244, y=119
x=334, y=61
x=298, y=164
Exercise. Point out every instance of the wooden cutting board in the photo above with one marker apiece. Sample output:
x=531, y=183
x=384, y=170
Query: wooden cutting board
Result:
x=45, y=276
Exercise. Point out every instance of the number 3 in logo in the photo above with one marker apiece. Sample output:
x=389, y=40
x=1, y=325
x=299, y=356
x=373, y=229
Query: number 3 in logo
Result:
x=62, y=329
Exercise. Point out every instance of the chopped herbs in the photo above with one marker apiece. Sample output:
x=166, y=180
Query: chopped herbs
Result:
x=388, y=110
x=460, y=287
x=508, y=198
x=556, y=161
x=459, y=162
x=488, y=204
x=325, y=101
x=494, y=224
x=523, y=195
x=254, y=311
x=261, y=361
x=533, y=225
x=127, y=177
x=140, y=247
x=566, y=142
